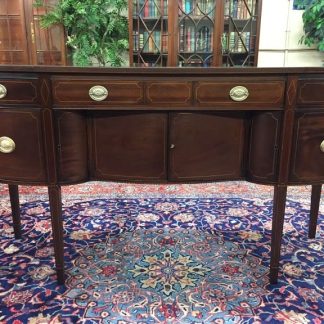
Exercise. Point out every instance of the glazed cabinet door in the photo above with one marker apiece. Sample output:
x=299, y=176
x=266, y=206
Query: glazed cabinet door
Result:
x=206, y=146
x=13, y=40
x=307, y=164
x=21, y=146
x=128, y=146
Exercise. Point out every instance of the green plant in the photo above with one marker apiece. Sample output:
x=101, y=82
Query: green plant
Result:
x=301, y=4
x=96, y=30
x=313, y=18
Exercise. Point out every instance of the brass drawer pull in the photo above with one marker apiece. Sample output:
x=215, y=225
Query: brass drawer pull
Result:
x=3, y=91
x=322, y=146
x=7, y=145
x=239, y=93
x=98, y=93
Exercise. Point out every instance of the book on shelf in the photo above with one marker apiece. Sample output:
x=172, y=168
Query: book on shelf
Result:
x=150, y=42
x=151, y=8
x=193, y=40
x=239, y=9
x=181, y=37
x=164, y=43
x=195, y=62
x=196, y=8
x=236, y=43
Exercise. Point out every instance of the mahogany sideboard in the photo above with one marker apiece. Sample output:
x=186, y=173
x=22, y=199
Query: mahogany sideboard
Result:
x=61, y=126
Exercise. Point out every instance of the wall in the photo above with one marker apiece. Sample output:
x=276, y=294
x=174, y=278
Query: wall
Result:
x=281, y=29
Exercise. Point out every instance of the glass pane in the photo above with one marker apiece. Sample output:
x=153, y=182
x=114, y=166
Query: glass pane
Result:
x=5, y=58
x=196, y=28
x=17, y=36
x=150, y=36
x=19, y=58
x=13, y=57
x=10, y=7
x=49, y=58
x=4, y=35
x=238, y=40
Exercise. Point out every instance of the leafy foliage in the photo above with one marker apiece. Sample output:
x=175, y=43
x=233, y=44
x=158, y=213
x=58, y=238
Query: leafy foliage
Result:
x=313, y=19
x=96, y=29
x=301, y=4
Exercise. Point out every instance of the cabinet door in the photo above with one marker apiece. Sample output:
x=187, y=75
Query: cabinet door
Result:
x=240, y=35
x=308, y=149
x=148, y=32
x=26, y=162
x=23, y=41
x=196, y=32
x=47, y=45
x=206, y=146
x=13, y=42
x=129, y=146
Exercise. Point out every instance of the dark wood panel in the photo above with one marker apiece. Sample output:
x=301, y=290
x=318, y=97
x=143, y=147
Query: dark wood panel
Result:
x=71, y=92
x=169, y=92
x=26, y=162
x=261, y=94
x=206, y=146
x=307, y=158
x=264, y=146
x=72, y=146
x=311, y=92
x=129, y=146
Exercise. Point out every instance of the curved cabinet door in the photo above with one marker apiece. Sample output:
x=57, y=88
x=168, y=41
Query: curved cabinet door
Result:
x=264, y=147
x=128, y=146
x=206, y=146
x=307, y=164
x=26, y=163
x=72, y=143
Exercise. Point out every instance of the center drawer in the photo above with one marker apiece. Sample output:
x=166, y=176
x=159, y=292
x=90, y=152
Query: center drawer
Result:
x=96, y=92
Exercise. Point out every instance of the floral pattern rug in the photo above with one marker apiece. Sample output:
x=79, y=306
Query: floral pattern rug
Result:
x=161, y=260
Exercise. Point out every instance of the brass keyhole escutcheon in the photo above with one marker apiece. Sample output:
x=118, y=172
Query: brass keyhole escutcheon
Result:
x=7, y=145
x=239, y=93
x=322, y=146
x=3, y=91
x=98, y=93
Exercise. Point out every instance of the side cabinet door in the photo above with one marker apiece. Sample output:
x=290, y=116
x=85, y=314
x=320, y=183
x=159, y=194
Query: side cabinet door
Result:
x=128, y=146
x=26, y=162
x=206, y=146
x=264, y=146
x=307, y=163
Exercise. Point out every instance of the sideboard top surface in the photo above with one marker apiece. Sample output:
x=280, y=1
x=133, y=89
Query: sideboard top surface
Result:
x=165, y=71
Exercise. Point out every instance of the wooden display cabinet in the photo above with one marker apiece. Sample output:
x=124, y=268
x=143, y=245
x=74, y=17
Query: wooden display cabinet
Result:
x=194, y=32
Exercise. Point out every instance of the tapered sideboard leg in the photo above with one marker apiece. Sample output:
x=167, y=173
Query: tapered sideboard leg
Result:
x=15, y=208
x=315, y=202
x=57, y=226
x=279, y=203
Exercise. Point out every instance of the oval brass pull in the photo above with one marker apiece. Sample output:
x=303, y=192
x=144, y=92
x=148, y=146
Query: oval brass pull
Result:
x=7, y=145
x=239, y=93
x=322, y=146
x=3, y=91
x=98, y=93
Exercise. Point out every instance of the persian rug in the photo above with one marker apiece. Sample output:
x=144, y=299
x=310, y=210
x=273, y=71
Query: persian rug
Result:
x=140, y=259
